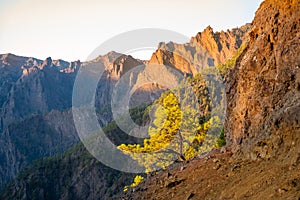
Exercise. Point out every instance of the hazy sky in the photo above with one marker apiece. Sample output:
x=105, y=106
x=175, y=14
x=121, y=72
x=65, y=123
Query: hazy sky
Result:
x=72, y=29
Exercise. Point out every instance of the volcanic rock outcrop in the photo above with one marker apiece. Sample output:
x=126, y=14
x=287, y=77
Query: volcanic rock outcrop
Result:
x=206, y=49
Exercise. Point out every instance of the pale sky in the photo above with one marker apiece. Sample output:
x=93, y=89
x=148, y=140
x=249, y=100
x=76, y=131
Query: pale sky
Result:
x=72, y=29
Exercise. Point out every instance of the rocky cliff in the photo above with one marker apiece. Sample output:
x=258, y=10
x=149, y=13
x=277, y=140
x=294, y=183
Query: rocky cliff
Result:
x=31, y=86
x=33, y=138
x=35, y=100
x=207, y=48
x=261, y=159
x=222, y=45
x=263, y=91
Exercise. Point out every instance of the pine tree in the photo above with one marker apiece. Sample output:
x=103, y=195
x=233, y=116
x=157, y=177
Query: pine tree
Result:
x=176, y=132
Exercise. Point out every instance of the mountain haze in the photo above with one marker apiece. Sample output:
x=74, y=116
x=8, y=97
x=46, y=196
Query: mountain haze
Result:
x=38, y=97
x=42, y=157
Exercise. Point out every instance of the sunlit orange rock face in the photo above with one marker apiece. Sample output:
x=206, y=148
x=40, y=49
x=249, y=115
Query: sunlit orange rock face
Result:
x=263, y=92
x=262, y=125
x=206, y=49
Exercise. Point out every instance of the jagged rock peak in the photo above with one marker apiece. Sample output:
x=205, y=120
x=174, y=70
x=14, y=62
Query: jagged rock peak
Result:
x=222, y=45
x=204, y=50
x=60, y=63
x=209, y=30
x=109, y=57
x=113, y=54
x=11, y=57
x=48, y=61
x=122, y=64
x=12, y=60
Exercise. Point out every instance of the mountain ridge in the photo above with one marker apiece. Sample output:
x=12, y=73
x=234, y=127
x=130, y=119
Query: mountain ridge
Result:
x=206, y=49
x=261, y=159
x=55, y=72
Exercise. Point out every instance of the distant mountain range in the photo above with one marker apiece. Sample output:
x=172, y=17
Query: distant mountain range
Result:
x=42, y=157
x=36, y=96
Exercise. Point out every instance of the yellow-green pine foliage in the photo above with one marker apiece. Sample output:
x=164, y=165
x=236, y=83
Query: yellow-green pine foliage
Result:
x=137, y=180
x=186, y=120
x=181, y=119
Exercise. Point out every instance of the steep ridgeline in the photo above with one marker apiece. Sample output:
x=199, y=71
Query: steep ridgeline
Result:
x=36, y=97
x=206, y=49
x=29, y=90
x=31, y=86
x=262, y=127
x=47, y=133
x=36, y=120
